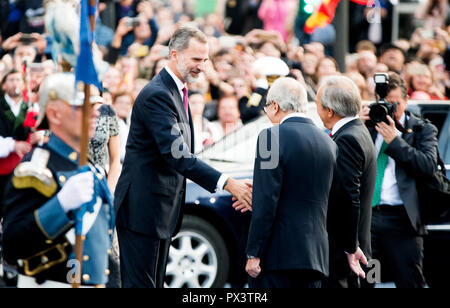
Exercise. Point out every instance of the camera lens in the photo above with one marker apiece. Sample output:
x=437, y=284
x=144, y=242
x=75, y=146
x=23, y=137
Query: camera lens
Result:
x=378, y=113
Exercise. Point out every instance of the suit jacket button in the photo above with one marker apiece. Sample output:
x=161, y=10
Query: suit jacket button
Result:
x=86, y=277
x=85, y=258
x=107, y=272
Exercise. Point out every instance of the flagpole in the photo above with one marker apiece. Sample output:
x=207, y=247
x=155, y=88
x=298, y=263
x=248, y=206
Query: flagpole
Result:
x=83, y=160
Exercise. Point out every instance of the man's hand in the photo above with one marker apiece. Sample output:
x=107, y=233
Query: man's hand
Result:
x=78, y=190
x=253, y=268
x=389, y=132
x=242, y=191
x=354, y=262
x=21, y=148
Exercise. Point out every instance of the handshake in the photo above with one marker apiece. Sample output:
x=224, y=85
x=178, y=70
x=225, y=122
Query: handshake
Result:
x=241, y=190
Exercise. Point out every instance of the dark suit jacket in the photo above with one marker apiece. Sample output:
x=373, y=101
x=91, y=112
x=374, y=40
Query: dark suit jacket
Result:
x=414, y=155
x=9, y=127
x=350, y=206
x=290, y=200
x=159, y=158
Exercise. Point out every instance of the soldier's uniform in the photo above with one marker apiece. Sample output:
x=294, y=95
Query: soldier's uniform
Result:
x=38, y=235
x=271, y=68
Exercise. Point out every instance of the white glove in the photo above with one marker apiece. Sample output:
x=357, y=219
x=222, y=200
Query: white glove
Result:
x=78, y=190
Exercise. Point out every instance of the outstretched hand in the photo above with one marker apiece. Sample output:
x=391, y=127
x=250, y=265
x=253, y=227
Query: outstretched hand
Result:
x=241, y=190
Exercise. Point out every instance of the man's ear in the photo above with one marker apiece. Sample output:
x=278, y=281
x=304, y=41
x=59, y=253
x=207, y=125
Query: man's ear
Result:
x=330, y=113
x=52, y=114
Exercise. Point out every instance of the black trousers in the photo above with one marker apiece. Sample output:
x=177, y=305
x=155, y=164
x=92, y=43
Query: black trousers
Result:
x=3, y=181
x=143, y=259
x=398, y=247
x=300, y=279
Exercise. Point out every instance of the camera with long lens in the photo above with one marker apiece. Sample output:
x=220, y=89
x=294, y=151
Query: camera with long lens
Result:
x=381, y=109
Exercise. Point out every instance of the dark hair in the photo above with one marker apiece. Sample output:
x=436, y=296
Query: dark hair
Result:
x=13, y=71
x=396, y=81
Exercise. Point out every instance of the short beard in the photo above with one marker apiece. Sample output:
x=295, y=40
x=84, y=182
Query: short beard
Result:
x=185, y=73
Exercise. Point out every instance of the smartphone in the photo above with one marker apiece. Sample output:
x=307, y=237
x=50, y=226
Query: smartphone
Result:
x=428, y=34
x=133, y=22
x=27, y=39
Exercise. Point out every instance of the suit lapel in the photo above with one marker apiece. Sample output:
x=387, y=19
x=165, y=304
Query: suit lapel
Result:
x=178, y=102
x=408, y=135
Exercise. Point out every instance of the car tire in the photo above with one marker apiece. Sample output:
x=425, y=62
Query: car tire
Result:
x=198, y=256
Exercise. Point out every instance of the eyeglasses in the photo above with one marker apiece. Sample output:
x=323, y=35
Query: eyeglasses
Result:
x=268, y=104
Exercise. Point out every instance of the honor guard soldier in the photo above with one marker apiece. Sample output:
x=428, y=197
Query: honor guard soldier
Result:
x=47, y=191
x=271, y=69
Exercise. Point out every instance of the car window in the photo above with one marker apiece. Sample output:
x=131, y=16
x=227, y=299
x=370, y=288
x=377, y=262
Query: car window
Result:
x=444, y=141
x=240, y=146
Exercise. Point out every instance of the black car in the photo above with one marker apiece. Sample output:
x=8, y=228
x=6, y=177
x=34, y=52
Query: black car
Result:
x=210, y=249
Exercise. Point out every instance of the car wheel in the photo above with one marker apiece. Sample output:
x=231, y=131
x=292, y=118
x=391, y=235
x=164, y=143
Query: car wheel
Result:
x=198, y=256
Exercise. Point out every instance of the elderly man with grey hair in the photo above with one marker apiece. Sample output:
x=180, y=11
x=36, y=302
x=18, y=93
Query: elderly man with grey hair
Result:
x=295, y=161
x=349, y=211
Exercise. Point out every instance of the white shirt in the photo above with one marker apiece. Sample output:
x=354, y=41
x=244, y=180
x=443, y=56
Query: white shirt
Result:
x=15, y=107
x=178, y=82
x=341, y=123
x=6, y=146
x=293, y=115
x=124, y=130
x=389, y=189
x=180, y=85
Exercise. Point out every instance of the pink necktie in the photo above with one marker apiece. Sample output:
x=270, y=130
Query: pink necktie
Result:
x=185, y=101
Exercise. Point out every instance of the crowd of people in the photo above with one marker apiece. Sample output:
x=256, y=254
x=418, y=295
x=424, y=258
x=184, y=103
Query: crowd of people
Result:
x=133, y=37
x=243, y=37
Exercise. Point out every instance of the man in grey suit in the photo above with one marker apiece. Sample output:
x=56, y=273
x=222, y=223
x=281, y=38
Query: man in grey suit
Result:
x=349, y=210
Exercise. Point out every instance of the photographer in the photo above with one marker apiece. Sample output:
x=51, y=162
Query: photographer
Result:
x=406, y=148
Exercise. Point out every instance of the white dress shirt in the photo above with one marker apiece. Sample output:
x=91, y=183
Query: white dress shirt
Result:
x=180, y=85
x=15, y=107
x=390, y=194
x=341, y=123
x=293, y=115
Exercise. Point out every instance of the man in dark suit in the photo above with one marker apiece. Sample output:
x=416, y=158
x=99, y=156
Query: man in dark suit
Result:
x=406, y=149
x=288, y=244
x=159, y=158
x=349, y=209
x=12, y=116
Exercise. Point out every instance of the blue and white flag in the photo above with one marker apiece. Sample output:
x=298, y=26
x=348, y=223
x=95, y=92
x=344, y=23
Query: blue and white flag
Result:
x=85, y=69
